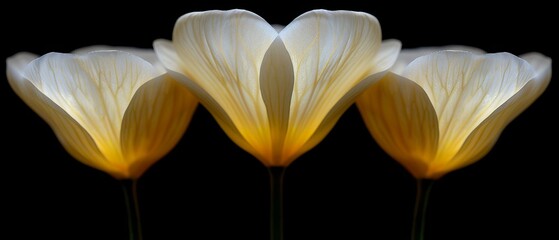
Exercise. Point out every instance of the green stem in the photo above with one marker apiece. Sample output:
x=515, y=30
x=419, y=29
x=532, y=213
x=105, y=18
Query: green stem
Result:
x=131, y=197
x=276, y=199
x=422, y=198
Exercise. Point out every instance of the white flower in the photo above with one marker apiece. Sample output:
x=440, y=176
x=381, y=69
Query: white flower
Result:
x=447, y=109
x=111, y=110
x=277, y=92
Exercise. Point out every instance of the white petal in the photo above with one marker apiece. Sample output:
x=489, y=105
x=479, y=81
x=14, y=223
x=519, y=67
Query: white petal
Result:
x=15, y=68
x=221, y=52
x=154, y=122
x=16, y=65
x=332, y=51
x=336, y=112
x=387, y=55
x=94, y=89
x=217, y=112
x=402, y=120
x=223, y=48
x=465, y=89
x=542, y=68
x=146, y=54
x=72, y=136
x=487, y=133
x=408, y=55
x=167, y=55
x=276, y=84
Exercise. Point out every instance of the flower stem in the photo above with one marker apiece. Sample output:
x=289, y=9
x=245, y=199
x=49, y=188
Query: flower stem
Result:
x=131, y=197
x=422, y=198
x=276, y=199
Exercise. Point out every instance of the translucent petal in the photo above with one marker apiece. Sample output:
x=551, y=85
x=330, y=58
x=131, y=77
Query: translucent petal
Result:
x=331, y=51
x=276, y=84
x=336, y=112
x=221, y=52
x=406, y=56
x=146, y=54
x=388, y=53
x=402, y=120
x=154, y=122
x=482, y=139
x=167, y=55
x=71, y=135
x=465, y=90
x=93, y=89
x=218, y=113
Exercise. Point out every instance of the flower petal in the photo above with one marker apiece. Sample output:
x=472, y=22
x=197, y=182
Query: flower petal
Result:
x=71, y=135
x=332, y=51
x=165, y=51
x=218, y=113
x=94, y=89
x=221, y=52
x=335, y=113
x=388, y=53
x=16, y=64
x=486, y=134
x=465, y=89
x=146, y=54
x=542, y=68
x=402, y=120
x=154, y=122
x=167, y=55
x=276, y=84
x=406, y=56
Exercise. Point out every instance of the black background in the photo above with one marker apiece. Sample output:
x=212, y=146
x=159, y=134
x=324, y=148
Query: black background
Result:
x=344, y=188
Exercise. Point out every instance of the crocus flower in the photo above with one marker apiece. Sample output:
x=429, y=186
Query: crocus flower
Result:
x=277, y=92
x=111, y=110
x=447, y=109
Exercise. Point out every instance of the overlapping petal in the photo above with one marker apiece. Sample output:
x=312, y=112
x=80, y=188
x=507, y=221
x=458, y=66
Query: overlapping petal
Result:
x=111, y=110
x=154, y=122
x=401, y=118
x=276, y=85
x=71, y=134
x=473, y=97
x=484, y=136
x=334, y=54
x=277, y=91
x=406, y=56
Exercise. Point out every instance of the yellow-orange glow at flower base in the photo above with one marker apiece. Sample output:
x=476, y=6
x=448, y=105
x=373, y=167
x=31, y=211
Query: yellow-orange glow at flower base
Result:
x=447, y=109
x=111, y=110
x=277, y=92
